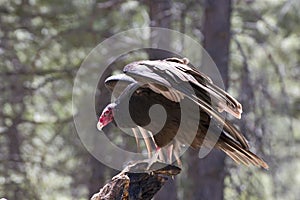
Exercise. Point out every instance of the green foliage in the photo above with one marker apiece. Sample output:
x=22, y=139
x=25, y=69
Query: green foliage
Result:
x=266, y=33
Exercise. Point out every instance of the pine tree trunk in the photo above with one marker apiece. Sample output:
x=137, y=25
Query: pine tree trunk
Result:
x=208, y=174
x=160, y=16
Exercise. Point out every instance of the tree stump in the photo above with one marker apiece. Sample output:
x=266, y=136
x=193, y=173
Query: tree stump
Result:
x=131, y=185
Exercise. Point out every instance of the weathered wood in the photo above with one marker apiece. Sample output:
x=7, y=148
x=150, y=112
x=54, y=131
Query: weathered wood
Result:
x=130, y=185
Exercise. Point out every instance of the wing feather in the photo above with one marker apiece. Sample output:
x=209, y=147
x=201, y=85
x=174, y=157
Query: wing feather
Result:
x=176, y=80
x=152, y=73
x=173, y=75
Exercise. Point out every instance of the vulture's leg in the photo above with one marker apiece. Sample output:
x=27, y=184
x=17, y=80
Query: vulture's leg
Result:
x=158, y=149
x=177, y=159
x=136, y=139
x=147, y=141
x=155, y=157
x=170, y=153
x=160, y=154
x=176, y=151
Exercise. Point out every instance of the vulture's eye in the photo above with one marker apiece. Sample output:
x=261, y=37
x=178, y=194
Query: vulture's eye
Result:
x=106, y=113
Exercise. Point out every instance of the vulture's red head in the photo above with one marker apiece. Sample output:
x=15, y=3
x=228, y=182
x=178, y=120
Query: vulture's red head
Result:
x=106, y=117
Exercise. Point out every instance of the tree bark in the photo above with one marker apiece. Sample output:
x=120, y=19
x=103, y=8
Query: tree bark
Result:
x=160, y=16
x=208, y=174
x=216, y=31
x=127, y=185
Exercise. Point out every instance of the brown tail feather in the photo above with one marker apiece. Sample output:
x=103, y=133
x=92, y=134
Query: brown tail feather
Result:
x=241, y=155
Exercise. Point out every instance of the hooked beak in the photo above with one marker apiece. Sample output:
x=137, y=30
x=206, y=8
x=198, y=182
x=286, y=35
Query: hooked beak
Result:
x=100, y=126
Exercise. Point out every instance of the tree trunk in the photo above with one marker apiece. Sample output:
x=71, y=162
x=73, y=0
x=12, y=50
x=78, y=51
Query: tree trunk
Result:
x=208, y=174
x=216, y=31
x=160, y=16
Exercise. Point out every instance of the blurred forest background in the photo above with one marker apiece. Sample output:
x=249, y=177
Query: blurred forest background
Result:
x=255, y=43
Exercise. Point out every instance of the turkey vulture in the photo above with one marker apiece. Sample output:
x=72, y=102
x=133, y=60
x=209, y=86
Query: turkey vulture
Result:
x=171, y=83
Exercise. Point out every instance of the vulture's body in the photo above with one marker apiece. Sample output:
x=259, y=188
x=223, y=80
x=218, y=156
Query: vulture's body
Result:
x=172, y=84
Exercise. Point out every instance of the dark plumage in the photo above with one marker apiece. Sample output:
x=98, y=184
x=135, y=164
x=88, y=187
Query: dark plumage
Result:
x=175, y=86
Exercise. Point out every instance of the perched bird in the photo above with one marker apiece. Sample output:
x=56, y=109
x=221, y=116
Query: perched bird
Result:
x=192, y=107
